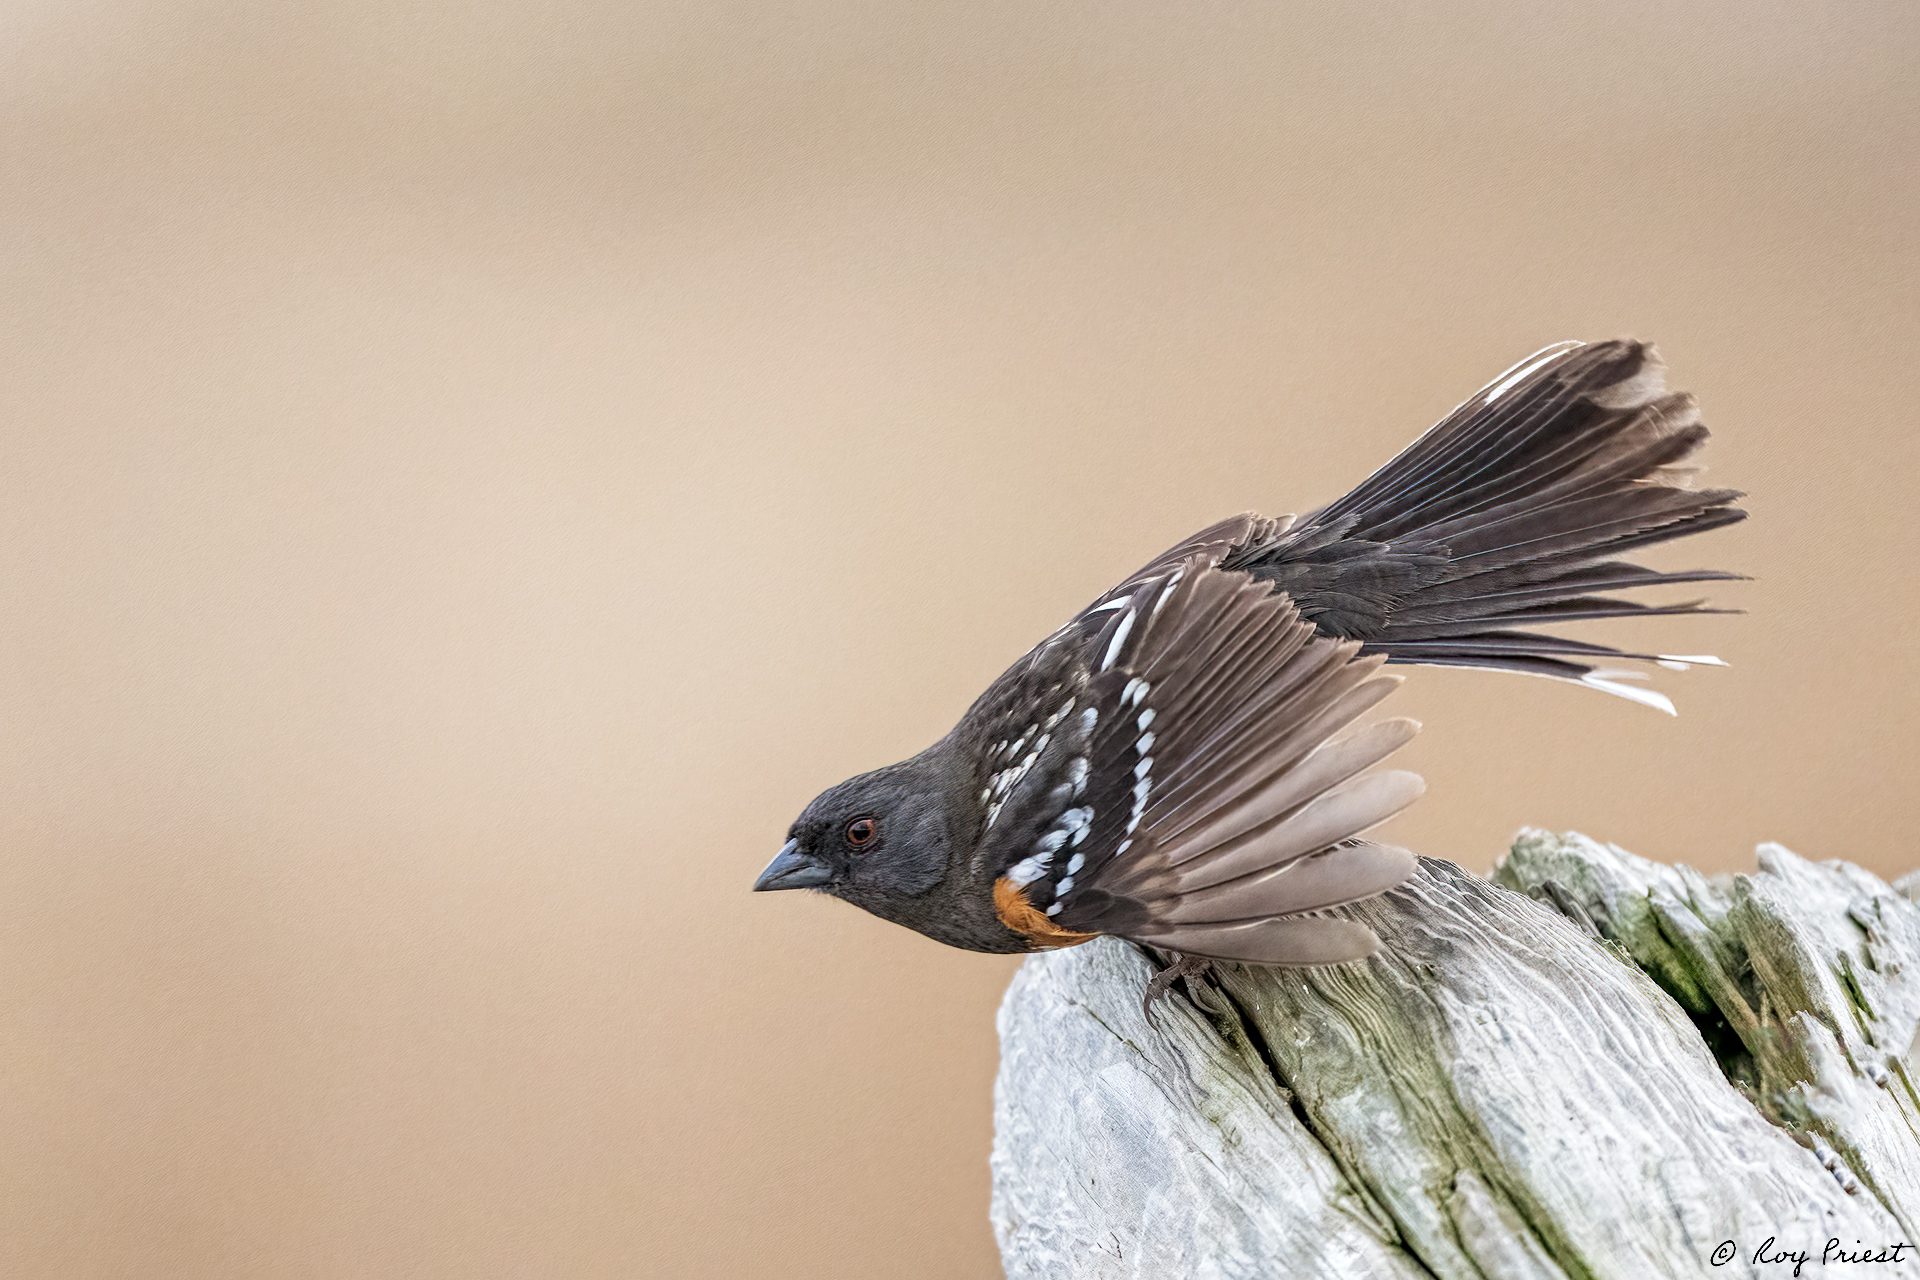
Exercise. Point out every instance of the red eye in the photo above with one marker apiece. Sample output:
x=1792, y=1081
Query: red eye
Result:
x=863, y=833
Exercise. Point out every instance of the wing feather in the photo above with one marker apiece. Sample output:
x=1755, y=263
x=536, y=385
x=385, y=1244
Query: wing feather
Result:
x=1224, y=786
x=1282, y=940
x=1327, y=879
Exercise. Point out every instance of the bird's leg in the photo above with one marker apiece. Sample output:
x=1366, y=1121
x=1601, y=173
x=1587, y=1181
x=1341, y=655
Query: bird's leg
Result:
x=1185, y=966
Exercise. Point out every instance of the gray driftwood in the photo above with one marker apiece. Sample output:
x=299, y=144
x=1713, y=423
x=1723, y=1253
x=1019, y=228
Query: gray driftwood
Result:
x=1591, y=1065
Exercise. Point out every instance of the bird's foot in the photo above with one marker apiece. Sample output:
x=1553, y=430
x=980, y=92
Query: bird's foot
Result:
x=1185, y=966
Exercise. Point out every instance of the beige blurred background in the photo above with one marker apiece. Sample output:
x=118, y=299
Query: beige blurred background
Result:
x=469, y=474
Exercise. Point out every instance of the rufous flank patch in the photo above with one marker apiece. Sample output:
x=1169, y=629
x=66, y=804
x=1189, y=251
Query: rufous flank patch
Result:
x=1021, y=916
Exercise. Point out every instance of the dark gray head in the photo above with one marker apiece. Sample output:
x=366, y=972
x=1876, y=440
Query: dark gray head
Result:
x=880, y=840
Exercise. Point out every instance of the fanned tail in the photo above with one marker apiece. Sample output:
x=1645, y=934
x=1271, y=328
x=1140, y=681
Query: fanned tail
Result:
x=1514, y=512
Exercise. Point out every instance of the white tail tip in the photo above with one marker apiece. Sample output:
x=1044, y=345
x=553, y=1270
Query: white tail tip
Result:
x=1681, y=661
x=1645, y=697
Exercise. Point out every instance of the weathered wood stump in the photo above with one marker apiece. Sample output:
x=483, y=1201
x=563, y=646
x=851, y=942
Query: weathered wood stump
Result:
x=1590, y=1065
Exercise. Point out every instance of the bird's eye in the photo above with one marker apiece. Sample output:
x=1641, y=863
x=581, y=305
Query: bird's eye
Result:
x=863, y=833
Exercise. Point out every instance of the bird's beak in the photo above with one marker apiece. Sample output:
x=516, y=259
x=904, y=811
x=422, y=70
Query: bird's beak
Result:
x=792, y=869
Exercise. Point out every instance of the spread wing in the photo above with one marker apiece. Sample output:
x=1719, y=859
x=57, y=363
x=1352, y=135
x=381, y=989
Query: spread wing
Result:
x=1193, y=787
x=1024, y=716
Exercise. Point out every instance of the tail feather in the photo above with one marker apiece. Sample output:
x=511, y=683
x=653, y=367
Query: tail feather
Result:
x=1513, y=512
x=1608, y=575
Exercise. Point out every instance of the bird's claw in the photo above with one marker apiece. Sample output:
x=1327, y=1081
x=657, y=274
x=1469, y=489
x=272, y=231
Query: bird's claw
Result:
x=1184, y=966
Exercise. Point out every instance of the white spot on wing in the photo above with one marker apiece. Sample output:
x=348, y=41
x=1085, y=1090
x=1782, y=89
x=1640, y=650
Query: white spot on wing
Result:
x=1003, y=781
x=1167, y=590
x=1140, y=790
x=1027, y=870
x=1119, y=638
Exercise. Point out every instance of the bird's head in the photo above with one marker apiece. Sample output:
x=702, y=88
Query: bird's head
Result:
x=875, y=840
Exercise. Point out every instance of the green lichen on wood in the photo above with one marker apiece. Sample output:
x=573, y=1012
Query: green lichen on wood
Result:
x=1603, y=1074
x=1813, y=968
x=1625, y=897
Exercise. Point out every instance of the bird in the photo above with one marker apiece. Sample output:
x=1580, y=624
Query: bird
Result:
x=1179, y=765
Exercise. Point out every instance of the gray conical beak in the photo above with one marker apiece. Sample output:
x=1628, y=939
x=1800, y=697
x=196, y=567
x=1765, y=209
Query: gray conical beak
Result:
x=792, y=869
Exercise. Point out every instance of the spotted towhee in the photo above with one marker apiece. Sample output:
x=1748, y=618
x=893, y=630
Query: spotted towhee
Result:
x=1174, y=766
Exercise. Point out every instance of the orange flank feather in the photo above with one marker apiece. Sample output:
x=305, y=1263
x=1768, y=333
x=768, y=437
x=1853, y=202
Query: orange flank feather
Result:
x=1021, y=916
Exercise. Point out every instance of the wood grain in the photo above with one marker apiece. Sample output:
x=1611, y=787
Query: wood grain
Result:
x=1590, y=1065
